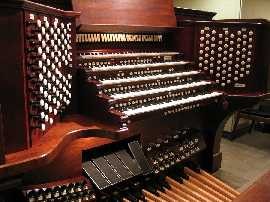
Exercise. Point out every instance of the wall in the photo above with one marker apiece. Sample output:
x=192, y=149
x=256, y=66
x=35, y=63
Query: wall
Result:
x=223, y=8
x=256, y=9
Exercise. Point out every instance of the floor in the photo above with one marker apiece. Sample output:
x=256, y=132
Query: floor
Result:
x=245, y=159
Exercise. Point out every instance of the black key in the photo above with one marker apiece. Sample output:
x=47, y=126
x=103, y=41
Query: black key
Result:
x=153, y=183
x=48, y=193
x=63, y=190
x=104, y=197
x=152, y=190
x=159, y=187
x=131, y=197
x=164, y=183
x=95, y=175
x=177, y=178
x=130, y=194
x=184, y=175
x=116, y=197
x=70, y=188
x=137, y=192
x=56, y=192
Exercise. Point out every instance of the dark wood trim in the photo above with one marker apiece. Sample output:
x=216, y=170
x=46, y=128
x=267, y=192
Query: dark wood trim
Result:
x=2, y=139
x=28, y=5
x=104, y=28
x=245, y=22
x=186, y=13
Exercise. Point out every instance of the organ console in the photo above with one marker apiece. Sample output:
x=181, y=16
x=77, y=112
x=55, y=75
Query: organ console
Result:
x=118, y=106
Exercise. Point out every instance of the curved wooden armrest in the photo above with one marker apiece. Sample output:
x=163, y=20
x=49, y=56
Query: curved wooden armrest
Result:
x=53, y=142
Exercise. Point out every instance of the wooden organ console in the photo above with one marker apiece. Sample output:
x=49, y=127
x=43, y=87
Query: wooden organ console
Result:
x=116, y=106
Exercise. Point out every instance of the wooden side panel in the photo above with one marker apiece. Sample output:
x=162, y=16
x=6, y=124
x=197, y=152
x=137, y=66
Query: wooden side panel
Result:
x=126, y=12
x=183, y=41
x=12, y=80
x=2, y=140
x=263, y=59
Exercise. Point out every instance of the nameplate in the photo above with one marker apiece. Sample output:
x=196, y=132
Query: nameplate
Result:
x=106, y=37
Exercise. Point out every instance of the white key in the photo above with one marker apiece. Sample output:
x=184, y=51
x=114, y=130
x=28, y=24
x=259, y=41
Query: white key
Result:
x=132, y=112
x=123, y=67
x=108, y=56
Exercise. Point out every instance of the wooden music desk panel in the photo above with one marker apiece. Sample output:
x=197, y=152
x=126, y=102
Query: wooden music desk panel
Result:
x=125, y=12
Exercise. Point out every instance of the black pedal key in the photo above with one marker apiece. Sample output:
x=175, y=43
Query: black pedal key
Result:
x=95, y=175
x=107, y=170
x=129, y=162
x=138, y=154
x=118, y=166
